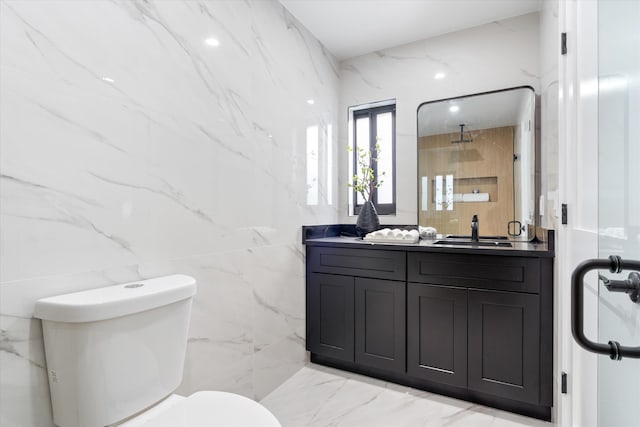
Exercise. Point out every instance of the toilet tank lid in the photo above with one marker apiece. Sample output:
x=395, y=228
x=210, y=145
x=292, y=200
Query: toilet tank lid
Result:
x=115, y=301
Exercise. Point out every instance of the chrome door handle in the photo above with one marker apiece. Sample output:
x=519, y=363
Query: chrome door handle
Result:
x=615, y=264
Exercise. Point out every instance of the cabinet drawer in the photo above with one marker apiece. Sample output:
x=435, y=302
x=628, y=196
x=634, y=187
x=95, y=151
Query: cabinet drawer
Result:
x=475, y=271
x=377, y=264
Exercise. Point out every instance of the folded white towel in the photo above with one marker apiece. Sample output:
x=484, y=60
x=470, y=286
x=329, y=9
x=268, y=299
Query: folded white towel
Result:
x=395, y=235
x=427, y=232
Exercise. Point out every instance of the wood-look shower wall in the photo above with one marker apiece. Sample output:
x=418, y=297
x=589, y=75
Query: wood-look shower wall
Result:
x=485, y=164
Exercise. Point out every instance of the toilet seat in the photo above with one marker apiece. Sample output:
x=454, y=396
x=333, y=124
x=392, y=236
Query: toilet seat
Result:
x=208, y=409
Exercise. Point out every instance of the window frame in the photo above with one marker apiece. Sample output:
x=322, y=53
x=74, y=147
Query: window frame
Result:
x=371, y=113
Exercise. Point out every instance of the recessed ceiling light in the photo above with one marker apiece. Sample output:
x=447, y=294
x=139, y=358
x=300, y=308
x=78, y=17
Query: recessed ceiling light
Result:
x=439, y=76
x=310, y=101
x=212, y=42
x=454, y=108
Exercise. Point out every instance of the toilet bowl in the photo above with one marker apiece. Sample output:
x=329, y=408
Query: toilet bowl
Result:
x=205, y=409
x=114, y=354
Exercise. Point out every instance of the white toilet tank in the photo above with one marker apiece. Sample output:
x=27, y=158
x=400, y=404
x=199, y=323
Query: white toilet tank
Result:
x=114, y=351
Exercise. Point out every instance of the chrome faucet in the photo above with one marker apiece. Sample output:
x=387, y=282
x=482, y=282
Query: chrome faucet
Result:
x=475, y=229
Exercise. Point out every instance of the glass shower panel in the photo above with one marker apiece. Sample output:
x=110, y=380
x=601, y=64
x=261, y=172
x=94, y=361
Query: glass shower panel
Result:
x=618, y=200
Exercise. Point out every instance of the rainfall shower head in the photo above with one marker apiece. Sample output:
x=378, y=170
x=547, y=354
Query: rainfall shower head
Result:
x=461, y=140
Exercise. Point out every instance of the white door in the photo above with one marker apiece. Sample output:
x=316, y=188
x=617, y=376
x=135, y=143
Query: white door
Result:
x=603, y=187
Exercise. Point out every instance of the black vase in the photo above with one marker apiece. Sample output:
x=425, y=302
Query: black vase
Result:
x=367, y=219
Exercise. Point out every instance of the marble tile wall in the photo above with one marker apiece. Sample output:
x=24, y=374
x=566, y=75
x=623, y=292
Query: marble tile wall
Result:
x=497, y=55
x=130, y=148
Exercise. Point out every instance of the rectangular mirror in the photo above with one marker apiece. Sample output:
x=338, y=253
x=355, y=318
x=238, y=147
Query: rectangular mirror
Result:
x=476, y=156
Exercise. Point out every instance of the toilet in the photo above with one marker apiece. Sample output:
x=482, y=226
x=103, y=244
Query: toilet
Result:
x=115, y=355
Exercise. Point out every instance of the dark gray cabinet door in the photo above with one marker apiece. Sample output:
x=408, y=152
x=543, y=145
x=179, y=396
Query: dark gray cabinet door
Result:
x=330, y=315
x=437, y=333
x=504, y=344
x=380, y=324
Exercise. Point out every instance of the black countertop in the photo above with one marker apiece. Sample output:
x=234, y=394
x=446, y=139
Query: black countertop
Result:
x=331, y=236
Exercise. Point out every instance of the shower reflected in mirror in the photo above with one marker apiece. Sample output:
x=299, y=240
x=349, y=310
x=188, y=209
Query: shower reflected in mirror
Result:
x=476, y=156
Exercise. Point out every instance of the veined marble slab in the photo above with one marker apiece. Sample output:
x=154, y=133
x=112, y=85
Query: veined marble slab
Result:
x=318, y=396
x=131, y=147
x=494, y=56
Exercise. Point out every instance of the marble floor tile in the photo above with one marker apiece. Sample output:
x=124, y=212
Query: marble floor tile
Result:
x=320, y=396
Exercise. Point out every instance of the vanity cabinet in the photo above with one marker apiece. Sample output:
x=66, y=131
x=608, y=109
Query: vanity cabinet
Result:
x=490, y=308
x=357, y=319
x=476, y=326
x=350, y=315
x=487, y=341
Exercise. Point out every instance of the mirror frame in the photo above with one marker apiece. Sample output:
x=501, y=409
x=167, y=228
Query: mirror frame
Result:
x=534, y=163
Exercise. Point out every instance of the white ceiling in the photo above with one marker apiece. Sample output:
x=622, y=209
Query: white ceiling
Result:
x=351, y=28
x=483, y=111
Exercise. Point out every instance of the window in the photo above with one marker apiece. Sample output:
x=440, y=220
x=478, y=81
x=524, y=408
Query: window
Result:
x=377, y=125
